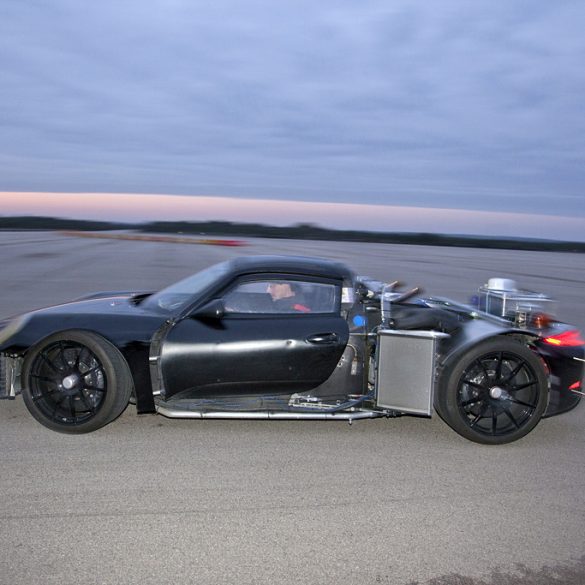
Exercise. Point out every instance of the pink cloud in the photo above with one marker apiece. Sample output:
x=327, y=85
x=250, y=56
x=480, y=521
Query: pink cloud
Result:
x=134, y=207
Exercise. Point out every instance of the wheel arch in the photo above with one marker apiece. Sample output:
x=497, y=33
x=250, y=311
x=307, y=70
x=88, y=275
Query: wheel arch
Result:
x=479, y=404
x=135, y=354
x=457, y=351
x=26, y=352
x=40, y=342
x=450, y=358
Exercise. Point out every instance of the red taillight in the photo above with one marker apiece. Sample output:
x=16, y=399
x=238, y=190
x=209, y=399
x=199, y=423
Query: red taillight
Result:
x=575, y=386
x=541, y=320
x=570, y=338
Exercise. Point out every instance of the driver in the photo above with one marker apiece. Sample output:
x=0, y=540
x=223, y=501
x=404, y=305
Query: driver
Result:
x=286, y=297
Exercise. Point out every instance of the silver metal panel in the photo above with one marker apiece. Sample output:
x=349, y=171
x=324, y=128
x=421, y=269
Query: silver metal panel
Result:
x=9, y=376
x=406, y=370
x=3, y=376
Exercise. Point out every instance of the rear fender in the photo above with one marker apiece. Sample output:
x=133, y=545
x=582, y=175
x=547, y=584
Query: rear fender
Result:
x=474, y=333
x=457, y=350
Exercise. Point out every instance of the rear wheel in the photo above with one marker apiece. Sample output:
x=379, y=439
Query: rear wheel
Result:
x=75, y=382
x=496, y=393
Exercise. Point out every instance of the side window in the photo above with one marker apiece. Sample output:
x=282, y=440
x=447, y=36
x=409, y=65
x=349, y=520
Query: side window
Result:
x=269, y=296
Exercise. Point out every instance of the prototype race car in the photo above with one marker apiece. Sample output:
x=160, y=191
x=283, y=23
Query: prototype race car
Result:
x=268, y=337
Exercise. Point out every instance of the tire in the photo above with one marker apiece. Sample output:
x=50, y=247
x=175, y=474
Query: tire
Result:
x=494, y=394
x=75, y=382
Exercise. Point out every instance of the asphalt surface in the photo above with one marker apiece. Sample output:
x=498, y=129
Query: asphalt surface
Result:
x=148, y=500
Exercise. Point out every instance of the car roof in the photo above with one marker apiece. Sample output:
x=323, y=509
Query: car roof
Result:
x=298, y=265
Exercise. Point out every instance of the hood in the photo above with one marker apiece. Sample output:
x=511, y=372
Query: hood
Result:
x=118, y=318
x=98, y=304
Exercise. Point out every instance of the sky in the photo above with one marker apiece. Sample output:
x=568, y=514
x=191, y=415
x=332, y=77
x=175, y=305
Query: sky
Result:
x=475, y=107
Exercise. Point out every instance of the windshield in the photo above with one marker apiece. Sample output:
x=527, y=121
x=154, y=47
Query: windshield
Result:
x=176, y=297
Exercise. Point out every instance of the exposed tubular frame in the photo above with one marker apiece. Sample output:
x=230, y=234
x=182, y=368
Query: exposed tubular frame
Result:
x=338, y=412
x=349, y=416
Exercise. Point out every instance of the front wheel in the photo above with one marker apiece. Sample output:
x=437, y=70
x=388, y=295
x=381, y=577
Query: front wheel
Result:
x=494, y=394
x=75, y=382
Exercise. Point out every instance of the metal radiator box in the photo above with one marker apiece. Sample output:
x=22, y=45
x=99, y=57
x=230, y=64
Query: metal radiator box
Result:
x=405, y=362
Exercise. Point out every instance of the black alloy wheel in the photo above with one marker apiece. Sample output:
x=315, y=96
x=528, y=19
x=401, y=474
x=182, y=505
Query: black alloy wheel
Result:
x=75, y=382
x=496, y=393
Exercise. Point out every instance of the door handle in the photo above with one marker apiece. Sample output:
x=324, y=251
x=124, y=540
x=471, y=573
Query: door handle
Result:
x=323, y=338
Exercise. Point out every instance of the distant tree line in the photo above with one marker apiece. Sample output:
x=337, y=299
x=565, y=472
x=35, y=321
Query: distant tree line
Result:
x=297, y=232
x=56, y=223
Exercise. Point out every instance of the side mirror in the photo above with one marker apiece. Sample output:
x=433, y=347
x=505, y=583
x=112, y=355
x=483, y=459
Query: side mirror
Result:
x=213, y=310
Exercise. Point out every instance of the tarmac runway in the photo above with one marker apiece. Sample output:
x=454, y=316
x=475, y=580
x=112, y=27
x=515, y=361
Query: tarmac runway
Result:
x=151, y=501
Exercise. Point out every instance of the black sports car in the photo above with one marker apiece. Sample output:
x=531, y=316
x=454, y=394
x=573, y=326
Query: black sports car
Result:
x=295, y=338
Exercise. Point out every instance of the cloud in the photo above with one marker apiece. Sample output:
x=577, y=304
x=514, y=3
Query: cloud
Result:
x=466, y=105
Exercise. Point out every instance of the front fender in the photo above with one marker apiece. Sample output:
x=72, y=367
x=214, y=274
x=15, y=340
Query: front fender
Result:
x=130, y=336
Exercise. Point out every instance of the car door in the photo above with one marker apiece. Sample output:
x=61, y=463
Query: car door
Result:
x=245, y=342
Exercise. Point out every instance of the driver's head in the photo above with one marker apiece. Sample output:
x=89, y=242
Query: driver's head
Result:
x=280, y=290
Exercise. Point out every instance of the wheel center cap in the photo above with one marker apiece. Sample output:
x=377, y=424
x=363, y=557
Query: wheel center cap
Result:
x=70, y=381
x=496, y=392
